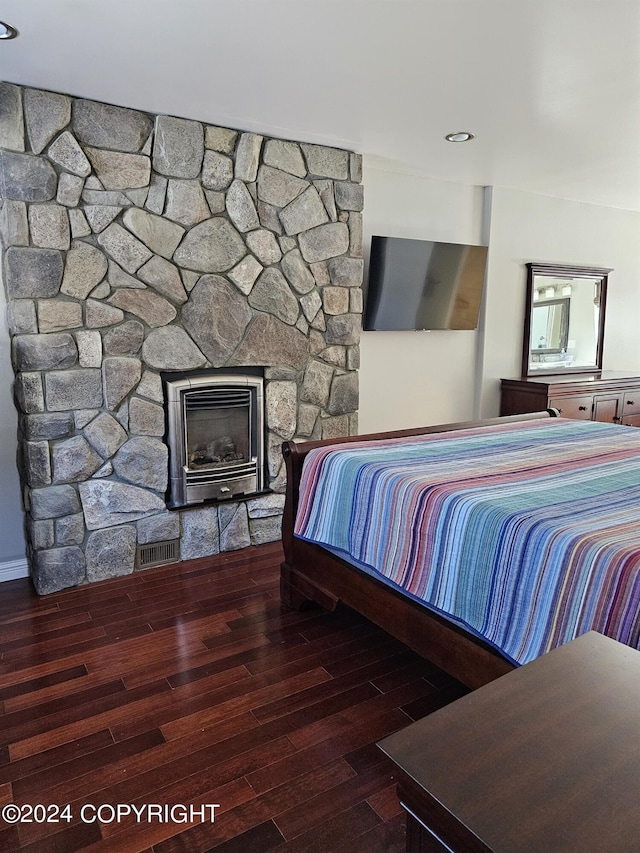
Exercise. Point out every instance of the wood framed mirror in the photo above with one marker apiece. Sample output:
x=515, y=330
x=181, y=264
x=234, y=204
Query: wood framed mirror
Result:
x=564, y=319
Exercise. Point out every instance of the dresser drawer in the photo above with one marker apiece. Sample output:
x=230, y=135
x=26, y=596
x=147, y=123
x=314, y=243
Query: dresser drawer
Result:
x=631, y=420
x=578, y=407
x=631, y=403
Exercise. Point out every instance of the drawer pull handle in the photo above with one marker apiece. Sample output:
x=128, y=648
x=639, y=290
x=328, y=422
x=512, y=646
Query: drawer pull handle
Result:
x=582, y=408
x=631, y=402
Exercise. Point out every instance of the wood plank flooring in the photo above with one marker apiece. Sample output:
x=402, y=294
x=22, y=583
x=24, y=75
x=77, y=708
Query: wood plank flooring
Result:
x=189, y=685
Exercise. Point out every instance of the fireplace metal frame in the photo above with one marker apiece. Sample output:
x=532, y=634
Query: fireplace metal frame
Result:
x=189, y=486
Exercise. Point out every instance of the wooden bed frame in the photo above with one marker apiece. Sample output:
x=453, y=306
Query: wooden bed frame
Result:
x=311, y=573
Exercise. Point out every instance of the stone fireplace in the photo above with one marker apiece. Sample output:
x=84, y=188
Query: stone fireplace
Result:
x=215, y=434
x=136, y=246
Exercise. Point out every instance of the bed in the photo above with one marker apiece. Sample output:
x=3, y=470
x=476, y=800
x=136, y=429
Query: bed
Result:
x=480, y=545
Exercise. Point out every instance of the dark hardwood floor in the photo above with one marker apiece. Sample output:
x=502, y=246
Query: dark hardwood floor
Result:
x=190, y=685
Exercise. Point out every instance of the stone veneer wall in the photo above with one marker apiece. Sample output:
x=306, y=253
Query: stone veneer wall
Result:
x=135, y=244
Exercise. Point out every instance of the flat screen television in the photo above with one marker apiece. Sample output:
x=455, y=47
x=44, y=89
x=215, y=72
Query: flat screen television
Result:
x=422, y=284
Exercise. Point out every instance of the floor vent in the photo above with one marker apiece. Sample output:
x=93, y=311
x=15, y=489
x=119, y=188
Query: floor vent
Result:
x=157, y=554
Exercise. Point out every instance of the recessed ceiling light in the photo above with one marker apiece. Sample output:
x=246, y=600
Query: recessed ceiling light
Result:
x=460, y=136
x=7, y=31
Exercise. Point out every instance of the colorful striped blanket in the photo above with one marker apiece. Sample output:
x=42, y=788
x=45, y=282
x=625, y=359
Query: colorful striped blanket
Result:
x=527, y=534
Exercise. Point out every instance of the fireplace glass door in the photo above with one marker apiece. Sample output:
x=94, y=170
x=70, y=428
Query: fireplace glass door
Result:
x=217, y=429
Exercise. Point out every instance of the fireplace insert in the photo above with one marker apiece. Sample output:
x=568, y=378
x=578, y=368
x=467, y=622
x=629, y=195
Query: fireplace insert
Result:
x=215, y=434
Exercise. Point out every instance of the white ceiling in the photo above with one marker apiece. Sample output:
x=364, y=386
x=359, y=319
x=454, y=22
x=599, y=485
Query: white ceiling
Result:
x=551, y=88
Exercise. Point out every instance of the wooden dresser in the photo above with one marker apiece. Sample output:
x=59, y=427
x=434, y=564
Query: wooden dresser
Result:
x=544, y=759
x=610, y=397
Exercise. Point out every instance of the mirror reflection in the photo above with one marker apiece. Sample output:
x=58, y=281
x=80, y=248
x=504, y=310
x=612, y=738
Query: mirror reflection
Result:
x=550, y=327
x=565, y=319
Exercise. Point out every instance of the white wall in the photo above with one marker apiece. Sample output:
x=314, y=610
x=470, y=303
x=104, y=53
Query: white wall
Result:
x=12, y=541
x=415, y=378
x=528, y=227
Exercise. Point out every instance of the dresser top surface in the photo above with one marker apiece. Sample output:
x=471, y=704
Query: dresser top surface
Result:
x=588, y=379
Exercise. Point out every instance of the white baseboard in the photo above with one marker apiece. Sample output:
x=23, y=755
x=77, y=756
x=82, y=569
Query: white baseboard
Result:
x=14, y=569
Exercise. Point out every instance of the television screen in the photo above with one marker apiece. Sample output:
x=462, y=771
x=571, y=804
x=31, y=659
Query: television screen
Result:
x=421, y=284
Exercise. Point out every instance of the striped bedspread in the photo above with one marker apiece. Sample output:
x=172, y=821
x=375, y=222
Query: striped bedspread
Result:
x=527, y=534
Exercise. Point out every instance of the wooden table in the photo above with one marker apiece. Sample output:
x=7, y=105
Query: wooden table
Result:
x=544, y=759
